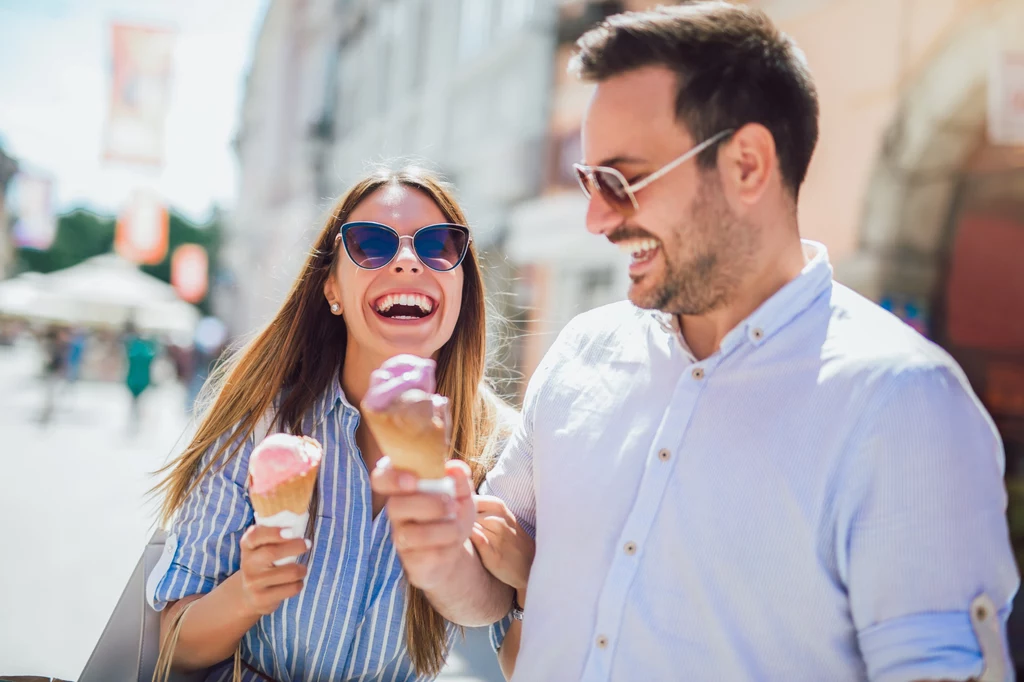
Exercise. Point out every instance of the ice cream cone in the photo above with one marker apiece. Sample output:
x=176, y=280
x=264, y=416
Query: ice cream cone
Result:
x=413, y=432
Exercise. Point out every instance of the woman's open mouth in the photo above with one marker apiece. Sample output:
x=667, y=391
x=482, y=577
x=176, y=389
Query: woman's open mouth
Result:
x=404, y=307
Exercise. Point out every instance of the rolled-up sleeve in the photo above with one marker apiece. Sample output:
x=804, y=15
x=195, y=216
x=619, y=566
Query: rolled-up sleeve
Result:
x=924, y=529
x=202, y=547
x=511, y=479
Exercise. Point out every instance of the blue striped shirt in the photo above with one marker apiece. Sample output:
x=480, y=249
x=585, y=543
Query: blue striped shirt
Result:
x=348, y=623
x=820, y=499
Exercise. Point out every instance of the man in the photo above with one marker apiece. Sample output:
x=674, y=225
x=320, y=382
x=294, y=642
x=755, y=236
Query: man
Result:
x=748, y=472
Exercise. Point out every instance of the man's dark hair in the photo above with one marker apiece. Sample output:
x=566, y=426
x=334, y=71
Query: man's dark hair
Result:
x=734, y=67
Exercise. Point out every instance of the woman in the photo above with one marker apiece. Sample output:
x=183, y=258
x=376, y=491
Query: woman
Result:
x=392, y=271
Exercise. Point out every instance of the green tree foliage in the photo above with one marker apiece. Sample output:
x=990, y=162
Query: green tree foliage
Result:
x=82, y=234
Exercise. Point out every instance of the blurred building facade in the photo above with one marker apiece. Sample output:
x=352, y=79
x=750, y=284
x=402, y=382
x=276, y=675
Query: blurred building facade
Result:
x=270, y=230
x=8, y=167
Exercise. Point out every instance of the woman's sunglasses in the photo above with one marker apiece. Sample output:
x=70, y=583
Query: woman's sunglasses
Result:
x=371, y=246
x=617, y=192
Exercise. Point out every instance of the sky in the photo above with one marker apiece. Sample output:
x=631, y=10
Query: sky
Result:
x=55, y=87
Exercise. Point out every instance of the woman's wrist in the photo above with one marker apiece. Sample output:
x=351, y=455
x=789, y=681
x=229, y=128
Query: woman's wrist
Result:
x=521, y=597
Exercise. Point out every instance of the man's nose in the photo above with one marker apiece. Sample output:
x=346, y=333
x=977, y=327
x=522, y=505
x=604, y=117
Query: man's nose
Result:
x=601, y=218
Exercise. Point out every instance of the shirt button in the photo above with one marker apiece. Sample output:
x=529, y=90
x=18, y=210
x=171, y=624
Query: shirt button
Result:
x=664, y=455
x=629, y=548
x=602, y=642
x=698, y=373
x=757, y=334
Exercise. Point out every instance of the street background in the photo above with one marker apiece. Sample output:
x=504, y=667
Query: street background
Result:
x=165, y=164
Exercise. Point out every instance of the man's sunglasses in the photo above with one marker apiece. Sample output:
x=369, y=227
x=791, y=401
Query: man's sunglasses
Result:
x=617, y=192
x=371, y=246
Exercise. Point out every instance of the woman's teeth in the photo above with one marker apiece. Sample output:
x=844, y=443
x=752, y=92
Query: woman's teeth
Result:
x=423, y=303
x=639, y=249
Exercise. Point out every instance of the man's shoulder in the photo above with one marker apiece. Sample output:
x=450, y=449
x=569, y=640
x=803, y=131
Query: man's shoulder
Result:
x=865, y=337
x=613, y=326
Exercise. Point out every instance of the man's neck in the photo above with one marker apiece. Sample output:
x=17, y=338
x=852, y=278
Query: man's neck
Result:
x=704, y=333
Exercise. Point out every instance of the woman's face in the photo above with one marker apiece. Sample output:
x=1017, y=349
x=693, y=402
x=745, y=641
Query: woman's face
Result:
x=377, y=327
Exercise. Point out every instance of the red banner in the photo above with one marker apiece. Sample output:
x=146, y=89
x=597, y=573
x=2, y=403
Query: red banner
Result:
x=189, y=266
x=140, y=94
x=142, y=228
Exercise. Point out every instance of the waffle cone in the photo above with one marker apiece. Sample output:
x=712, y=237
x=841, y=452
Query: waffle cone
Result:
x=413, y=442
x=292, y=495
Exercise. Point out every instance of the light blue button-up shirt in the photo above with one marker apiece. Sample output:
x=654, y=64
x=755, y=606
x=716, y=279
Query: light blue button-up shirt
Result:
x=348, y=623
x=819, y=500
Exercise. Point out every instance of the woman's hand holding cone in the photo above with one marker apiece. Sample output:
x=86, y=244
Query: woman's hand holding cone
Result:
x=265, y=586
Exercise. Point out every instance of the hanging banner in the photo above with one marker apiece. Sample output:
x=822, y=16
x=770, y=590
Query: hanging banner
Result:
x=32, y=203
x=140, y=94
x=189, y=266
x=142, y=227
x=1006, y=99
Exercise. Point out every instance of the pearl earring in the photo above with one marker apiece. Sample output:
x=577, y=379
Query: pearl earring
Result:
x=335, y=308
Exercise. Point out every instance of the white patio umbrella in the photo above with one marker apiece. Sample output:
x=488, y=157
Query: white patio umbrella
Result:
x=105, y=290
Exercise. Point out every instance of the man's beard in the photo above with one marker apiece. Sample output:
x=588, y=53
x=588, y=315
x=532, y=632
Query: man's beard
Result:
x=721, y=248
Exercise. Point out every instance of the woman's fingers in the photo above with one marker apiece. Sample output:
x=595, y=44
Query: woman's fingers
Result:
x=260, y=536
x=278, y=575
x=267, y=554
x=418, y=536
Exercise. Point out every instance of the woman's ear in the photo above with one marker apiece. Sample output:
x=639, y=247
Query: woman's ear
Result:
x=332, y=295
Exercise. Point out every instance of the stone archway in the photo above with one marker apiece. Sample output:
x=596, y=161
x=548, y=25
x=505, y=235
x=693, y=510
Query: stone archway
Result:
x=940, y=122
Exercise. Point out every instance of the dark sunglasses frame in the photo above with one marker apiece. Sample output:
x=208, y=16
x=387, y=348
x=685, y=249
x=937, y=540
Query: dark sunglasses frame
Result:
x=347, y=227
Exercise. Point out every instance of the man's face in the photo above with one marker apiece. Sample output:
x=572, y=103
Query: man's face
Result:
x=688, y=250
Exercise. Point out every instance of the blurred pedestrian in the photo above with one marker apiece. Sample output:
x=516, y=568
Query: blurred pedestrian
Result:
x=139, y=352
x=75, y=354
x=53, y=342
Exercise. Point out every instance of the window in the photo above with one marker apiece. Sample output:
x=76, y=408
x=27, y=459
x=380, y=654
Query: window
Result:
x=421, y=55
x=474, y=25
x=515, y=14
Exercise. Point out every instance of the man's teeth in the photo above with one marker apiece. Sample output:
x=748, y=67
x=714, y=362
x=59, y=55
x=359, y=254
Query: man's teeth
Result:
x=638, y=247
x=422, y=302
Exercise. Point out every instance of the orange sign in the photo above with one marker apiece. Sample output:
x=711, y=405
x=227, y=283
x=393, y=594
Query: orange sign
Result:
x=188, y=272
x=142, y=226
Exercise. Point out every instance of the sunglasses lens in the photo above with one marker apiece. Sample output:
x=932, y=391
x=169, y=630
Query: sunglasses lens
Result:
x=370, y=246
x=441, y=248
x=613, y=191
x=581, y=177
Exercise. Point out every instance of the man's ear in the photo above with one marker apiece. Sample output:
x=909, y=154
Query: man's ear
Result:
x=748, y=162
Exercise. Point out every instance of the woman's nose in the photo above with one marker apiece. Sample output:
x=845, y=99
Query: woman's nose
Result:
x=406, y=259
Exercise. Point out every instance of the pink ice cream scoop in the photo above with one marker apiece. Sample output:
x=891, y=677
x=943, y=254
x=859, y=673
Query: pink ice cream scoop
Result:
x=395, y=377
x=279, y=458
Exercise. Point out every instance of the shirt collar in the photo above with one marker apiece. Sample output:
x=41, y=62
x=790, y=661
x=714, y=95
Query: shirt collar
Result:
x=788, y=302
x=332, y=397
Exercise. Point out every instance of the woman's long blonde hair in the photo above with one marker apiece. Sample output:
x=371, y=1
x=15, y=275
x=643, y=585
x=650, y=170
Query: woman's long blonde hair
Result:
x=302, y=350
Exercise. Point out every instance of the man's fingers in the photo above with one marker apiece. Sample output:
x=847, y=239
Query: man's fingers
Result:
x=420, y=508
x=482, y=543
x=493, y=526
x=488, y=505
